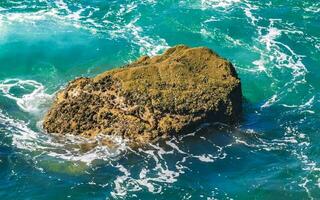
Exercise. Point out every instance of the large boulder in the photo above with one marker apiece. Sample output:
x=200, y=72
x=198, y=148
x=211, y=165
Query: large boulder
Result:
x=167, y=94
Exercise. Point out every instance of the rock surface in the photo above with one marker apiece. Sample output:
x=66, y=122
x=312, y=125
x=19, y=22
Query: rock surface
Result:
x=150, y=98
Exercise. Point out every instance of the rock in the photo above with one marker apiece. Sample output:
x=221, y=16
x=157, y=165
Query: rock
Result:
x=150, y=98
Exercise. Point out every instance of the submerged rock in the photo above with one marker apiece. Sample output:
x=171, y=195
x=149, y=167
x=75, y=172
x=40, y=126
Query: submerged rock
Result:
x=150, y=98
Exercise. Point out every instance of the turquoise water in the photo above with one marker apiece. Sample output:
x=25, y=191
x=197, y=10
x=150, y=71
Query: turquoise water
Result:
x=273, y=154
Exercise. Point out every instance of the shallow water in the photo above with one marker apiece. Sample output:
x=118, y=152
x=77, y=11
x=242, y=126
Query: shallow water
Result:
x=272, y=154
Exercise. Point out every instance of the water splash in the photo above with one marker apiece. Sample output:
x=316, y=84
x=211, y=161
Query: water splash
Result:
x=34, y=99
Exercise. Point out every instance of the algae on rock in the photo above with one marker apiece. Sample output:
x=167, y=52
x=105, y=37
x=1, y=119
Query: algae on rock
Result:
x=150, y=98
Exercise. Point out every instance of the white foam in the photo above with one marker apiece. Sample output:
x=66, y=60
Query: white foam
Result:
x=209, y=4
x=118, y=189
x=175, y=147
x=148, y=44
x=150, y=177
x=314, y=8
x=143, y=180
x=153, y=176
x=270, y=101
x=205, y=158
x=61, y=14
x=260, y=64
x=23, y=17
x=278, y=57
x=34, y=102
x=248, y=12
x=100, y=152
x=269, y=38
x=63, y=6
x=23, y=137
x=80, y=18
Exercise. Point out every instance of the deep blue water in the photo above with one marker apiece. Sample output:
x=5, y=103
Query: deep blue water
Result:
x=273, y=154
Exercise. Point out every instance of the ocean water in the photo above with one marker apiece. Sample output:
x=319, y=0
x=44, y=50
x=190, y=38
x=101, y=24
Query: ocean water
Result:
x=274, y=153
